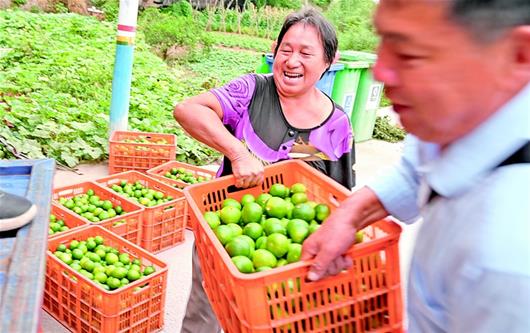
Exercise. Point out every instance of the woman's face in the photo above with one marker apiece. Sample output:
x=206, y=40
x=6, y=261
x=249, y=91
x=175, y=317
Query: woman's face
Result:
x=299, y=61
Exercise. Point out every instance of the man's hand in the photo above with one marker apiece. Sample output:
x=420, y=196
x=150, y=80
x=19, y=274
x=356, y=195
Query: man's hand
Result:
x=337, y=234
x=327, y=246
x=247, y=169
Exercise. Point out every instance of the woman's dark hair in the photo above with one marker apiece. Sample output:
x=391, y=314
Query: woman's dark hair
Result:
x=312, y=17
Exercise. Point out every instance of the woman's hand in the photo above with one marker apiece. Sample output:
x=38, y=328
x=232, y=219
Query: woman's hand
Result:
x=247, y=169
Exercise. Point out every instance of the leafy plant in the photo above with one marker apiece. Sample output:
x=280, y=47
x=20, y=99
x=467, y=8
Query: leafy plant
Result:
x=56, y=85
x=353, y=21
x=240, y=41
x=60, y=8
x=163, y=30
x=385, y=131
x=19, y=3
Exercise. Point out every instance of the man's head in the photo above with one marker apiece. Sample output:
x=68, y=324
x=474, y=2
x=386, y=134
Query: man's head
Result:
x=448, y=65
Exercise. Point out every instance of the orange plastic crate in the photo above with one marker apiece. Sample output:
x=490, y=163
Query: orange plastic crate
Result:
x=125, y=156
x=159, y=172
x=131, y=230
x=72, y=221
x=365, y=298
x=82, y=306
x=163, y=225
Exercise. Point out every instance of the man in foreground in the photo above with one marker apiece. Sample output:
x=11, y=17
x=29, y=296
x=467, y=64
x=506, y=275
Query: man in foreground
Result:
x=458, y=74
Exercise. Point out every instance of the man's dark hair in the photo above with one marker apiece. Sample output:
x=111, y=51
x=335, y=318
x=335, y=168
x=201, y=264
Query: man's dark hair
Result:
x=489, y=19
x=312, y=17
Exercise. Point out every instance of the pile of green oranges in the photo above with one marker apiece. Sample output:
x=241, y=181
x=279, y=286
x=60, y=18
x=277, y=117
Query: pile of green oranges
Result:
x=56, y=225
x=140, y=193
x=105, y=265
x=264, y=232
x=185, y=176
x=90, y=206
x=145, y=140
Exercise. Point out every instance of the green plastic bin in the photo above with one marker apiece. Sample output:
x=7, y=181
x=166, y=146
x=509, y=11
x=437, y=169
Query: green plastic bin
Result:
x=263, y=67
x=368, y=96
x=346, y=82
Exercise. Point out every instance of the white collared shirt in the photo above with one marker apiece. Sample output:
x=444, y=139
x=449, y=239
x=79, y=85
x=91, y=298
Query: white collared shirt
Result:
x=470, y=270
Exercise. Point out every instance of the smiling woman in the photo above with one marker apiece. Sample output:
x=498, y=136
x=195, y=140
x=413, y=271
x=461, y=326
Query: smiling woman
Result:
x=257, y=120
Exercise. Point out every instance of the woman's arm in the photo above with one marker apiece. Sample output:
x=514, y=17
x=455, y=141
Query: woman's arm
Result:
x=201, y=117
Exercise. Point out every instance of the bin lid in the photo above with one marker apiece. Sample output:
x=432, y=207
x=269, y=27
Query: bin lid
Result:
x=336, y=67
x=350, y=55
x=355, y=64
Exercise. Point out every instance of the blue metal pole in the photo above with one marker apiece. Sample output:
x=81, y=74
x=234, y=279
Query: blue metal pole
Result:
x=121, y=81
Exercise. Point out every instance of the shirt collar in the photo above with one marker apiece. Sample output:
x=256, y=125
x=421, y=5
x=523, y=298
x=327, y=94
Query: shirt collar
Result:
x=467, y=160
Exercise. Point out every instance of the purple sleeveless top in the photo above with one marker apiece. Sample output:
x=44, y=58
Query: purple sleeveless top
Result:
x=253, y=114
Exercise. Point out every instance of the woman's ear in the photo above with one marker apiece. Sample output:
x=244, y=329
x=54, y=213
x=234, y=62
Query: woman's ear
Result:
x=273, y=46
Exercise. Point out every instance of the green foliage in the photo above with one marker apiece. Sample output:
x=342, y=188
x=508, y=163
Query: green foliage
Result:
x=111, y=9
x=180, y=8
x=240, y=41
x=55, y=88
x=385, y=131
x=19, y=3
x=353, y=21
x=291, y=4
x=263, y=22
x=321, y=3
x=223, y=65
x=60, y=8
x=164, y=30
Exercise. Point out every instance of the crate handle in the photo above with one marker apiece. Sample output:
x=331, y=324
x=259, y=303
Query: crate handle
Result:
x=333, y=200
x=233, y=188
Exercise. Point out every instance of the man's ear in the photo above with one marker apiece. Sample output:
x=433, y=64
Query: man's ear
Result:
x=336, y=58
x=273, y=46
x=519, y=65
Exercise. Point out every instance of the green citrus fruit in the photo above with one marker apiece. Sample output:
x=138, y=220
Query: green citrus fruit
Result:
x=282, y=262
x=262, y=199
x=251, y=212
x=298, y=188
x=212, y=219
x=279, y=190
x=294, y=252
x=253, y=230
x=276, y=207
x=359, y=236
x=231, y=202
x=261, y=243
x=224, y=233
x=238, y=247
x=243, y=264
x=299, y=198
x=236, y=229
x=149, y=270
x=230, y=214
x=263, y=269
x=321, y=212
x=278, y=245
x=262, y=258
x=272, y=226
x=247, y=198
x=313, y=226
x=304, y=211
x=298, y=230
